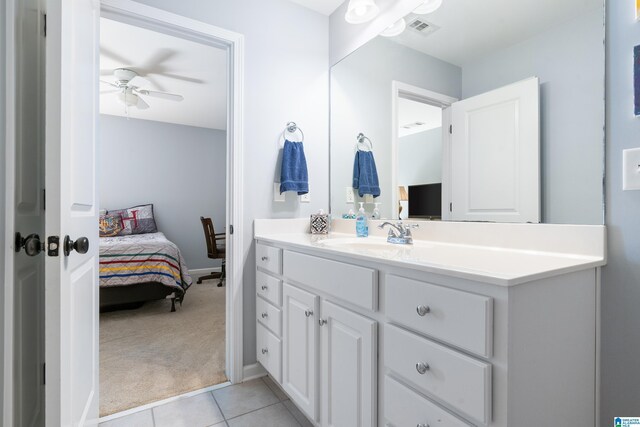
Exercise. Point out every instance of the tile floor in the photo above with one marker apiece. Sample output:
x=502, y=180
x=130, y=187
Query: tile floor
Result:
x=258, y=402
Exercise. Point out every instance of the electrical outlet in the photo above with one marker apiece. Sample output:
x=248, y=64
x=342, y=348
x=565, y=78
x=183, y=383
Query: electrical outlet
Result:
x=305, y=198
x=631, y=169
x=350, y=196
x=277, y=197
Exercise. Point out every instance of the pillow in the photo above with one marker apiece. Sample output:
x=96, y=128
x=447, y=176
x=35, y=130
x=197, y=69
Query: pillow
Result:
x=110, y=225
x=136, y=220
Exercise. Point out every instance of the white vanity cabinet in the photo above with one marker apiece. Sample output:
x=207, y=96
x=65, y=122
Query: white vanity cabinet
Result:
x=358, y=342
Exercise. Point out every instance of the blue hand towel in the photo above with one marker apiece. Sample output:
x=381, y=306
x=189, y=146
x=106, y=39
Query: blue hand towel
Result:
x=294, y=175
x=365, y=174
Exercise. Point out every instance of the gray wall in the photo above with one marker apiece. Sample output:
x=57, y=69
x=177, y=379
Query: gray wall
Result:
x=286, y=78
x=180, y=169
x=361, y=102
x=3, y=240
x=621, y=277
x=420, y=158
x=569, y=60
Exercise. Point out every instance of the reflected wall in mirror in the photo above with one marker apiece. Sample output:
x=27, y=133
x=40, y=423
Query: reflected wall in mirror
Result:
x=521, y=87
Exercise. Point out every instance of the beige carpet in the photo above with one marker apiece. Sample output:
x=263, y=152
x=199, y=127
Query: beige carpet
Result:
x=150, y=354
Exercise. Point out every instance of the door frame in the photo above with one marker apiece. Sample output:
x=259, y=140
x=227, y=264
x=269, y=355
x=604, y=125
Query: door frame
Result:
x=167, y=22
x=407, y=91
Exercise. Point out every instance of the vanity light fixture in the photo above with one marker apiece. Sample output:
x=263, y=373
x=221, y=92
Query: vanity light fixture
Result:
x=396, y=29
x=361, y=11
x=429, y=6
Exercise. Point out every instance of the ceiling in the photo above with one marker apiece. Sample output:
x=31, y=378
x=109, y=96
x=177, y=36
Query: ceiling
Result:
x=411, y=113
x=326, y=7
x=196, y=71
x=469, y=29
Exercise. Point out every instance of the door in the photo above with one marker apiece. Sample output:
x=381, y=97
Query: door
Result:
x=495, y=155
x=28, y=290
x=300, y=346
x=71, y=314
x=348, y=353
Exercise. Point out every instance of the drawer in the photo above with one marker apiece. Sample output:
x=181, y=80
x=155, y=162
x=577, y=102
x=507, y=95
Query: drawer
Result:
x=453, y=378
x=357, y=285
x=404, y=407
x=269, y=288
x=269, y=315
x=269, y=349
x=456, y=317
x=269, y=258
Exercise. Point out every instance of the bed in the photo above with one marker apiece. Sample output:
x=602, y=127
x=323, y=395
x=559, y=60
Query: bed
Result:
x=141, y=267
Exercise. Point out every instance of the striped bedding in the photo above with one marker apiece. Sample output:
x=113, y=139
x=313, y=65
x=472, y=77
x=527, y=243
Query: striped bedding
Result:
x=141, y=258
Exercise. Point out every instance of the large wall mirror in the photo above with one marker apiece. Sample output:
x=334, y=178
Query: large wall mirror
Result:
x=486, y=110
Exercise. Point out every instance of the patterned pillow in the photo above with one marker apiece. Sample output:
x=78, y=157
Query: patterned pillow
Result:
x=110, y=225
x=136, y=220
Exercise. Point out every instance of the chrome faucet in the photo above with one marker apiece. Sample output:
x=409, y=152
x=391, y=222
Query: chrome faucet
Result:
x=399, y=233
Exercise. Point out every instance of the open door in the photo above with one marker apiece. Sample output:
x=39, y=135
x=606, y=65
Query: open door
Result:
x=71, y=289
x=495, y=155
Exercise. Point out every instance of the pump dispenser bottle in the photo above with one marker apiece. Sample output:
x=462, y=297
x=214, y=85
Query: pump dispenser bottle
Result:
x=362, y=228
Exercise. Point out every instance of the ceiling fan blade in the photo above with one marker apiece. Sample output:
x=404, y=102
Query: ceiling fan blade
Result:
x=103, y=92
x=158, y=58
x=179, y=77
x=108, y=83
x=142, y=105
x=163, y=95
x=114, y=56
x=138, y=81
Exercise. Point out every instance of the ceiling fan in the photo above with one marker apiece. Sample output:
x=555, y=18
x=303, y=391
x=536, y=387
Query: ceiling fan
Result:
x=130, y=87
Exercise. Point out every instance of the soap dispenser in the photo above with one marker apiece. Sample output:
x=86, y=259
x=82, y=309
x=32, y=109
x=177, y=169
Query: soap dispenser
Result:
x=376, y=212
x=362, y=228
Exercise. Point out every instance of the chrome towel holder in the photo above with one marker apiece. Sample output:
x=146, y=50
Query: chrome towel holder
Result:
x=362, y=139
x=292, y=128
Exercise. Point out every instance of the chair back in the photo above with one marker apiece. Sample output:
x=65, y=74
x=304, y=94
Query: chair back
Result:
x=209, y=236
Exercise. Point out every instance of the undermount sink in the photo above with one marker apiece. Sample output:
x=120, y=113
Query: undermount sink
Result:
x=358, y=243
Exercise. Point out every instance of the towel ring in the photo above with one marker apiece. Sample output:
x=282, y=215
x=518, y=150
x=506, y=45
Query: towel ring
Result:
x=292, y=127
x=362, y=139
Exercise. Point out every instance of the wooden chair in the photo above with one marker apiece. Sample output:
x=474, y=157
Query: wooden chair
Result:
x=214, y=250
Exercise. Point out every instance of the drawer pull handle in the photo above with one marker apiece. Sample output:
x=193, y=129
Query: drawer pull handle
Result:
x=422, y=368
x=322, y=322
x=264, y=315
x=265, y=258
x=422, y=425
x=264, y=287
x=423, y=310
x=308, y=313
x=265, y=350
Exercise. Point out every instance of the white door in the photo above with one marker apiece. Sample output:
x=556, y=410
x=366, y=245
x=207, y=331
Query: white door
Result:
x=71, y=329
x=495, y=155
x=348, y=354
x=28, y=298
x=300, y=347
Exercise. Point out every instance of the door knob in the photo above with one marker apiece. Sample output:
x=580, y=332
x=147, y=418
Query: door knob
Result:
x=31, y=244
x=422, y=367
x=81, y=245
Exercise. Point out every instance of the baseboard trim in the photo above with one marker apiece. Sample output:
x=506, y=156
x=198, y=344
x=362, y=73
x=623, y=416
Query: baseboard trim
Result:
x=197, y=272
x=250, y=372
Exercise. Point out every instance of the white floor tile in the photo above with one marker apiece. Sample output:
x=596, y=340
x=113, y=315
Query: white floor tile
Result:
x=271, y=416
x=139, y=419
x=197, y=411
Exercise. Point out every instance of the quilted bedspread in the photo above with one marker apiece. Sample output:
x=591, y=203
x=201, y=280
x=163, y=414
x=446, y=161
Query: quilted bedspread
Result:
x=127, y=260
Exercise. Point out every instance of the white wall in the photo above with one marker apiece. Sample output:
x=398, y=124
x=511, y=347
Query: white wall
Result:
x=180, y=169
x=620, y=389
x=420, y=158
x=361, y=102
x=4, y=241
x=569, y=60
x=286, y=78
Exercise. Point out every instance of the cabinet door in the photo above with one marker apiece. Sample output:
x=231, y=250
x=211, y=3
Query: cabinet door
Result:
x=300, y=346
x=349, y=363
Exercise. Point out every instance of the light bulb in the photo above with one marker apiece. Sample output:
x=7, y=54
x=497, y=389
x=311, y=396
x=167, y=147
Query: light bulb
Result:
x=360, y=10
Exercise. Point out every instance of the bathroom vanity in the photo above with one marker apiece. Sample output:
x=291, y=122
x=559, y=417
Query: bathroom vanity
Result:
x=466, y=327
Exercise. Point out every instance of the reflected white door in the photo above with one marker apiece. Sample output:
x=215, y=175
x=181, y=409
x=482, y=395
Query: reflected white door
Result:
x=495, y=155
x=28, y=290
x=71, y=329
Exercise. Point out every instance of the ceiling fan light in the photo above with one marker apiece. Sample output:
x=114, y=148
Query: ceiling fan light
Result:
x=361, y=11
x=396, y=29
x=128, y=98
x=429, y=6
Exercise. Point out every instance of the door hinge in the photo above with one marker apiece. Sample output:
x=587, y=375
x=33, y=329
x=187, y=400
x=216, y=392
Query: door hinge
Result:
x=44, y=199
x=44, y=24
x=450, y=128
x=44, y=374
x=53, y=245
x=230, y=229
x=450, y=207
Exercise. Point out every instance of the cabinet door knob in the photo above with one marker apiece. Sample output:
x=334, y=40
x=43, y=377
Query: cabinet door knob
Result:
x=265, y=258
x=264, y=315
x=423, y=310
x=322, y=322
x=422, y=368
x=264, y=287
x=265, y=350
x=308, y=313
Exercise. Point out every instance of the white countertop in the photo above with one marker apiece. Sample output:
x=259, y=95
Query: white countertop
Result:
x=504, y=266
